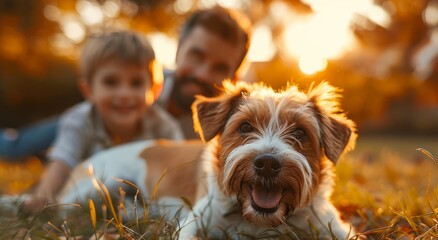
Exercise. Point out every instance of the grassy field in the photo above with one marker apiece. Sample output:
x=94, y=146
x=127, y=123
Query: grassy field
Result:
x=389, y=189
x=386, y=188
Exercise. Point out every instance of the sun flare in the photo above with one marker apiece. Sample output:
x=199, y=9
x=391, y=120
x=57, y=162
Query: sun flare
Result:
x=326, y=33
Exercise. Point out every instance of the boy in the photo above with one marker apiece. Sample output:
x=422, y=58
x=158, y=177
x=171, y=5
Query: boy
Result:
x=117, y=78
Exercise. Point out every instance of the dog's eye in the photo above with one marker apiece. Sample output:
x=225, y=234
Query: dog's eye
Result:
x=299, y=134
x=245, y=128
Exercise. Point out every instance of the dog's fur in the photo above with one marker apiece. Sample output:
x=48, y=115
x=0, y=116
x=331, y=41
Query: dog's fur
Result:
x=272, y=156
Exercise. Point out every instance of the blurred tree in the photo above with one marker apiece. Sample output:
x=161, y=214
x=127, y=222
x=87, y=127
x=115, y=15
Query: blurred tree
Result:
x=38, y=51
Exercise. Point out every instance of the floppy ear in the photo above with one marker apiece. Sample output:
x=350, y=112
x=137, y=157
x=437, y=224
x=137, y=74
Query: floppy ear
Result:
x=336, y=137
x=338, y=134
x=211, y=114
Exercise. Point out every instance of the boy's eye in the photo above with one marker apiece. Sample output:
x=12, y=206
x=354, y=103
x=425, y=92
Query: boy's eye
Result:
x=110, y=82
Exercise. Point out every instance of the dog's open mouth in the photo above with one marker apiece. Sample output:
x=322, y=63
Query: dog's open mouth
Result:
x=265, y=199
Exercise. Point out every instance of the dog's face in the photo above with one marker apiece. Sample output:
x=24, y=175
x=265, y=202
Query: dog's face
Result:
x=271, y=148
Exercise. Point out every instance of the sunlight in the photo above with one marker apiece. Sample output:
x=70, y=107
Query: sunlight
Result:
x=230, y=3
x=72, y=28
x=311, y=65
x=52, y=12
x=149, y=97
x=378, y=15
x=129, y=8
x=61, y=45
x=111, y=9
x=182, y=6
x=317, y=35
x=164, y=47
x=262, y=48
x=206, y=3
x=90, y=12
x=430, y=15
x=321, y=36
x=326, y=33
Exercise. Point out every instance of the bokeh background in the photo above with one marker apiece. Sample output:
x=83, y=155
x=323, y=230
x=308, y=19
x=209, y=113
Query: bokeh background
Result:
x=383, y=53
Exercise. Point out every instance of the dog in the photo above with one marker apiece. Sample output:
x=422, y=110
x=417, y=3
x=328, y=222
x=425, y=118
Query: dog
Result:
x=271, y=157
x=265, y=169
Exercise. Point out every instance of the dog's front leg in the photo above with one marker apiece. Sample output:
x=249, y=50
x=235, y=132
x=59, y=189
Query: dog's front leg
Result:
x=189, y=228
x=210, y=218
x=204, y=220
x=197, y=220
x=323, y=215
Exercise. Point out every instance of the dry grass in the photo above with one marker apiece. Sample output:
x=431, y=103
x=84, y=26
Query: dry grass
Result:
x=386, y=189
x=390, y=192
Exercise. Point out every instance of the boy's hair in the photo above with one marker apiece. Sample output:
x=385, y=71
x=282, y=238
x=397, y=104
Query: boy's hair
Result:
x=126, y=46
x=219, y=21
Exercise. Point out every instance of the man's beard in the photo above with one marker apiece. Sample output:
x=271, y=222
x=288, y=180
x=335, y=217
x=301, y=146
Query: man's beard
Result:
x=184, y=102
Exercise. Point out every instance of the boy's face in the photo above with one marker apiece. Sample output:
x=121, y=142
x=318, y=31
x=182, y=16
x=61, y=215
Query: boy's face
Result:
x=203, y=61
x=118, y=91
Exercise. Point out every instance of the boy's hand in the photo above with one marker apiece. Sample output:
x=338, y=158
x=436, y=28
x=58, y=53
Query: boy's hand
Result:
x=52, y=181
x=35, y=203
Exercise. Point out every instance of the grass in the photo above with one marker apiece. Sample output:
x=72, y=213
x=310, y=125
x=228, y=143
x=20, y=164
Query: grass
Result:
x=386, y=188
x=390, y=194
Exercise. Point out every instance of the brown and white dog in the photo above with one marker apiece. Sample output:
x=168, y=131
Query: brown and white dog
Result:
x=271, y=161
x=268, y=164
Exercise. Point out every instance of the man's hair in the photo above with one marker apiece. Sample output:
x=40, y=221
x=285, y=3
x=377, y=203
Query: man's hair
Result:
x=219, y=21
x=126, y=46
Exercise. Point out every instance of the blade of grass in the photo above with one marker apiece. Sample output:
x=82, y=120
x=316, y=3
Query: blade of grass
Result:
x=154, y=193
x=121, y=207
x=405, y=214
x=93, y=216
x=111, y=206
x=428, y=200
x=54, y=227
x=66, y=230
x=103, y=191
x=137, y=192
x=427, y=153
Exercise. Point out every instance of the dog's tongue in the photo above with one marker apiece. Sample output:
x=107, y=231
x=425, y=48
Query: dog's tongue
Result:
x=266, y=197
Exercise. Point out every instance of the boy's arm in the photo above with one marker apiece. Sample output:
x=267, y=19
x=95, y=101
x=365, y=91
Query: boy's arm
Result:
x=72, y=138
x=51, y=183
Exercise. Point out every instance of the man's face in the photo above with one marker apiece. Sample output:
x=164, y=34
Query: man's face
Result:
x=203, y=61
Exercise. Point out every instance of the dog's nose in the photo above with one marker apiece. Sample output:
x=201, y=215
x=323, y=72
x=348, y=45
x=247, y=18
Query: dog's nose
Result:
x=267, y=165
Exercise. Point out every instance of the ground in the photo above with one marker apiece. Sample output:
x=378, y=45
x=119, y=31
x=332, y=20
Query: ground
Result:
x=385, y=187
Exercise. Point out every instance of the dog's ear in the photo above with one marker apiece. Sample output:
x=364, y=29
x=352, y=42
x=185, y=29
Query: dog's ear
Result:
x=337, y=137
x=210, y=114
x=338, y=134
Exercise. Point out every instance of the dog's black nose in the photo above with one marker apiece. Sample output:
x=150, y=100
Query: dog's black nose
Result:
x=267, y=165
